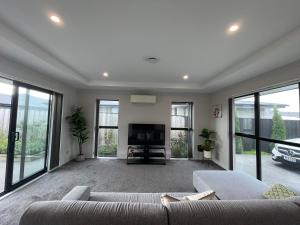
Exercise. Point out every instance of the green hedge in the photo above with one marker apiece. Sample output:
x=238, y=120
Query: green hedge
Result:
x=179, y=146
x=107, y=150
x=3, y=142
x=35, y=140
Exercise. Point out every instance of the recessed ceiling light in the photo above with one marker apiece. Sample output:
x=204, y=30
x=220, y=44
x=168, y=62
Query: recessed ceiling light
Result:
x=105, y=74
x=185, y=77
x=55, y=19
x=233, y=28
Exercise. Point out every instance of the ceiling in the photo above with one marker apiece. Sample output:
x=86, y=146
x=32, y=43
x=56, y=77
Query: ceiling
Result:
x=114, y=36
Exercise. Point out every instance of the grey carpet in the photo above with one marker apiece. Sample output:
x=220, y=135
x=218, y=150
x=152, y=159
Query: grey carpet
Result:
x=108, y=175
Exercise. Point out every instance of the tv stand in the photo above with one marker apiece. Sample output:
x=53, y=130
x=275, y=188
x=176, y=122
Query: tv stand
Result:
x=145, y=154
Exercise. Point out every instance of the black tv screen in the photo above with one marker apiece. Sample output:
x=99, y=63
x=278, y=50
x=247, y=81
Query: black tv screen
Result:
x=146, y=134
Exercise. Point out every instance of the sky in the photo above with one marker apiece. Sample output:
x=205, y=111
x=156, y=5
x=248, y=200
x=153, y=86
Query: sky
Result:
x=289, y=97
x=6, y=88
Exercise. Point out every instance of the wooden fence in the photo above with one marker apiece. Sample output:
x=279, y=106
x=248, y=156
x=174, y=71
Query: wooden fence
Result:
x=248, y=126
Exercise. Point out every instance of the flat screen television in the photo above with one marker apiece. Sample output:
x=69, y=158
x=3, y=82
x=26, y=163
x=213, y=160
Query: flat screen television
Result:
x=146, y=134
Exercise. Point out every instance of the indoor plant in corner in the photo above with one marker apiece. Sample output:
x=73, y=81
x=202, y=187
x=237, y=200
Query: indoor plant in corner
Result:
x=209, y=142
x=78, y=127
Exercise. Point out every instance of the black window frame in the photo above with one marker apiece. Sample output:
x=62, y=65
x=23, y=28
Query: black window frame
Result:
x=9, y=186
x=256, y=136
x=98, y=127
x=189, y=129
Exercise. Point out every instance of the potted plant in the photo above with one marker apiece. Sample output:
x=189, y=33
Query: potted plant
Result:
x=209, y=142
x=78, y=127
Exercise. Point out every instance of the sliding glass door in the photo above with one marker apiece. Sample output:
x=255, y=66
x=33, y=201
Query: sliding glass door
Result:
x=24, y=133
x=6, y=90
x=31, y=132
x=267, y=135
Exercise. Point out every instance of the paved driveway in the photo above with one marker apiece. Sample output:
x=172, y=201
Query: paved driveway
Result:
x=272, y=172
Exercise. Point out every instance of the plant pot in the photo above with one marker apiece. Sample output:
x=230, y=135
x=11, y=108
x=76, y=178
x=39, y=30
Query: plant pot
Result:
x=80, y=158
x=200, y=148
x=207, y=154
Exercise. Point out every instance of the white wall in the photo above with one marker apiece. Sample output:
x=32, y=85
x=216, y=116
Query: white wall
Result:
x=157, y=113
x=142, y=113
x=284, y=75
x=12, y=70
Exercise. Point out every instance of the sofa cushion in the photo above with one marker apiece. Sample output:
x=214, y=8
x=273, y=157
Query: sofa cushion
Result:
x=234, y=212
x=166, y=199
x=207, y=195
x=131, y=197
x=229, y=185
x=94, y=213
x=278, y=191
x=295, y=200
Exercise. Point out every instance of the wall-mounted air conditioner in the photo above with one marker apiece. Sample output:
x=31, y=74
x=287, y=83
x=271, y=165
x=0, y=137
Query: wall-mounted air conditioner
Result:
x=146, y=99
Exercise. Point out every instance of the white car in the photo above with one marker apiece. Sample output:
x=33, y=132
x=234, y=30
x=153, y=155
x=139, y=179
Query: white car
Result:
x=287, y=154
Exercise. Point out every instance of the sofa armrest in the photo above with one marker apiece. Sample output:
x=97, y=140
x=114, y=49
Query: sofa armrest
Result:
x=295, y=199
x=94, y=213
x=78, y=193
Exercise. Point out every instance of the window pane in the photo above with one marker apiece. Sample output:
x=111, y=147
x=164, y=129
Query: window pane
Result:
x=245, y=155
x=244, y=115
x=279, y=114
x=107, y=142
x=181, y=114
x=107, y=137
x=179, y=144
x=109, y=111
x=5, y=106
x=4, y=114
x=280, y=164
x=32, y=124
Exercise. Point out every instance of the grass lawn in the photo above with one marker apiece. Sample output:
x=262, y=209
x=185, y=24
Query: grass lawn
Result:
x=253, y=152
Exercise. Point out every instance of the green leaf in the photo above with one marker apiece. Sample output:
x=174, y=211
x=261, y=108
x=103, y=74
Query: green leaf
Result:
x=78, y=124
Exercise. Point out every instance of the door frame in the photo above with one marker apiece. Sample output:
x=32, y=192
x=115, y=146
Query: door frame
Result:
x=9, y=186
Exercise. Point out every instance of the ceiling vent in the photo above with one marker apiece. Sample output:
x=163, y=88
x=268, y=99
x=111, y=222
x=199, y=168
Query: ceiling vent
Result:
x=152, y=60
x=145, y=99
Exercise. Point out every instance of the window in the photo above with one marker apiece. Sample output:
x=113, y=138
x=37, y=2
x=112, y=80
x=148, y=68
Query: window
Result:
x=181, y=130
x=247, y=124
x=244, y=114
x=107, y=133
x=245, y=155
x=279, y=114
x=268, y=147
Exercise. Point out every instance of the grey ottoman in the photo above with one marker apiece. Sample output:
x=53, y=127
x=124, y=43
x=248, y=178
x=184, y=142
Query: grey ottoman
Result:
x=229, y=185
